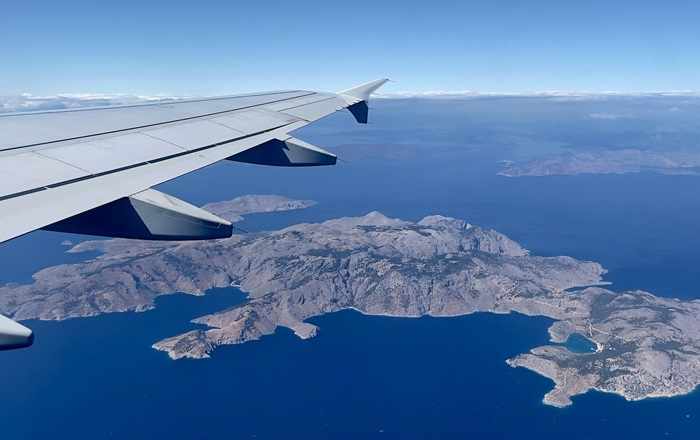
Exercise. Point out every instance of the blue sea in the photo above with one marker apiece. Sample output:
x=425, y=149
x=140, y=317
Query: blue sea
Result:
x=362, y=376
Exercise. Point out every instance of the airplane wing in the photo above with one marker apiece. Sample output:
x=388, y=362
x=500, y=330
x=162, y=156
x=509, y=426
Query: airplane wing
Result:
x=91, y=171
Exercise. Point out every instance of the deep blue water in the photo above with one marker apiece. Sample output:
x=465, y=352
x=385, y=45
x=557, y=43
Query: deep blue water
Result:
x=379, y=377
x=382, y=377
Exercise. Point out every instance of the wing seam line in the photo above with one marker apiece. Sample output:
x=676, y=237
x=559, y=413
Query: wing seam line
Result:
x=127, y=167
x=121, y=130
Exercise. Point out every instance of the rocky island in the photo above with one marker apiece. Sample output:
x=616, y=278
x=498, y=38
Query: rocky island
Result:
x=647, y=346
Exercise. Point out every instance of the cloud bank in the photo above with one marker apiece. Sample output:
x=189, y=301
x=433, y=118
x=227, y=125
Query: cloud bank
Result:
x=555, y=94
x=27, y=102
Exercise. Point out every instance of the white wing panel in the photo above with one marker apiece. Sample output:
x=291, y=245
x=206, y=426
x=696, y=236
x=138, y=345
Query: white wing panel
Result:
x=37, y=128
x=296, y=102
x=192, y=135
x=317, y=110
x=253, y=121
x=104, y=155
x=25, y=171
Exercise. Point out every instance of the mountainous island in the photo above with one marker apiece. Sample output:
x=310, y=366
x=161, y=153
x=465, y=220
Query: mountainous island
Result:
x=646, y=346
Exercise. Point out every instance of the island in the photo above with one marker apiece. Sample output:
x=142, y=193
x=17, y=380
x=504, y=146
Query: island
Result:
x=646, y=346
x=623, y=161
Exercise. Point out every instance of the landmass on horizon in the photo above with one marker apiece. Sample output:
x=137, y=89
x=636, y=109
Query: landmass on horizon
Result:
x=622, y=161
x=647, y=346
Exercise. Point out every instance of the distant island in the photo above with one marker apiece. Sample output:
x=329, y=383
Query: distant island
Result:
x=622, y=161
x=646, y=346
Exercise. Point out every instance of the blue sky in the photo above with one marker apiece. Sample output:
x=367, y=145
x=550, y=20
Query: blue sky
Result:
x=218, y=47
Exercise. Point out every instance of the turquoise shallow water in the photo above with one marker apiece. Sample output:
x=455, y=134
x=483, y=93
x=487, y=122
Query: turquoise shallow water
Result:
x=579, y=344
x=380, y=377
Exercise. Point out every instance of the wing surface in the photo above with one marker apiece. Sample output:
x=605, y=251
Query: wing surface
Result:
x=91, y=170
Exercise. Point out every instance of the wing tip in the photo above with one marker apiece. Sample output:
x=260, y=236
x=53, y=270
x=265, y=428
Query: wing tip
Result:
x=362, y=92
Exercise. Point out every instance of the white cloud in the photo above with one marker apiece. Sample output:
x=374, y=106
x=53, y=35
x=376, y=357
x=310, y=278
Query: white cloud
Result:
x=607, y=116
x=26, y=102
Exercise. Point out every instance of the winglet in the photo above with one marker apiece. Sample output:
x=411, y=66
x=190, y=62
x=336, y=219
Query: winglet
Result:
x=357, y=98
x=363, y=92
